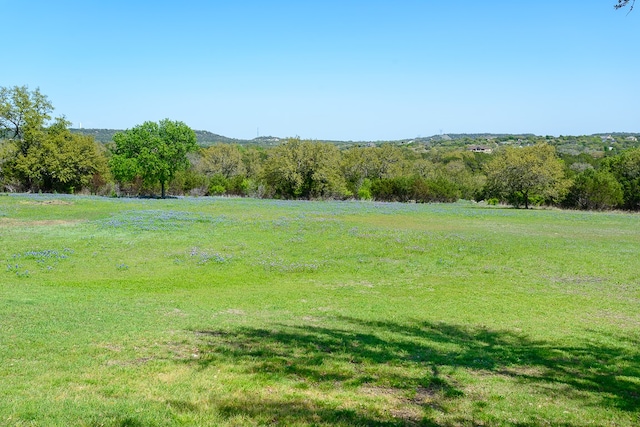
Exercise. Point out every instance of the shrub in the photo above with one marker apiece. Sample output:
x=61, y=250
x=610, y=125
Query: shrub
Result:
x=218, y=185
x=364, y=192
x=593, y=189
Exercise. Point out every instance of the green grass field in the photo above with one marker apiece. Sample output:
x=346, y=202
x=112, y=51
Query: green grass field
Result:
x=234, y=312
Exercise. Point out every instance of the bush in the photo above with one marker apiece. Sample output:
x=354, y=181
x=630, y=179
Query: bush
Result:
x=593, y=189
x=422, y=190
x=364, y=192
x=441, y=190
x=218, y=185
x=217, y=190
x=238, y=186
x=397, y=189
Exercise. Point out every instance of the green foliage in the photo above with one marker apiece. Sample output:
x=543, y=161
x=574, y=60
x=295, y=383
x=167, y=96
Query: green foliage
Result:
x=364, y=192
x=390, y=162
x=7, y=152
x=415, y=188
x=43, y=157
x=304, y=169
x=225, y=167
x=574, y=164
x=222, y=159
x=594, y=190
x=518, y=174
x=398, y=189
x=23, y=112
x=57, y=160
x=38, y=156
x=357, y=165
x=626, y=169
x=216, y=189
x=238, y=186
x=254, y=159
x=152, y=151
x=218, y=185
x=188, y=182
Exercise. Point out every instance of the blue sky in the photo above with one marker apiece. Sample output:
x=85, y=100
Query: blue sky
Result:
x=349, y=70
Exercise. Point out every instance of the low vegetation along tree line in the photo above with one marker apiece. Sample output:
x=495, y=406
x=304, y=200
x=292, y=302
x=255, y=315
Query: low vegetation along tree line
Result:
x=38, y=153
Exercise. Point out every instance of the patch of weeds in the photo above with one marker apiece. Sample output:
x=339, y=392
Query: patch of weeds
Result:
x=204, y=257
x=47, y=254
x=17, y=270
x=44, y=259
x=12, y=268
x=122, y=267
x=201, y=257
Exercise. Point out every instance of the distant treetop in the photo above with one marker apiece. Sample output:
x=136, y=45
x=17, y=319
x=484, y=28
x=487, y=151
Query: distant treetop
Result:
x=623, y=3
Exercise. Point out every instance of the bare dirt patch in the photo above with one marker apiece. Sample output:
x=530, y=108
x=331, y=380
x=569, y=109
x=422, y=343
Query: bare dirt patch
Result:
x=46, y=202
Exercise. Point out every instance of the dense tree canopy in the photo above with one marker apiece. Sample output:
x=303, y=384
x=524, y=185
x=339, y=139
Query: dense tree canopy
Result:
x=594, y=190
x=22, y=111
x=153, y=152
x=60, y=161
x=518, y=173
x=626, y=169
x=304, y=169
x=222, y=159
x=38, y=156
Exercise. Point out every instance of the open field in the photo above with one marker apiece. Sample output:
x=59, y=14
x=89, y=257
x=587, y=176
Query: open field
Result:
x=233, y=312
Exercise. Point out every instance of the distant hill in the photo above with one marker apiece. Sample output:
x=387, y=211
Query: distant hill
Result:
x=101, y=135
x=596, y=143
x=205, y=138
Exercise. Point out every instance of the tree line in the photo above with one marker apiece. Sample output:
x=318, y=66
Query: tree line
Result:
x=38, y=153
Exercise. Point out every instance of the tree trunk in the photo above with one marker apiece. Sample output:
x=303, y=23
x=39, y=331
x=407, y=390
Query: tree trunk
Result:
x=162, y=187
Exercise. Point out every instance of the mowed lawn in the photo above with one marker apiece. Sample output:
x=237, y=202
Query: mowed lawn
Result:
x=234, y=312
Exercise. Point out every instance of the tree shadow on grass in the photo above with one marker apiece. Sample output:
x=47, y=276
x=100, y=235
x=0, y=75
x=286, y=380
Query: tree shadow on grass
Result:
x=413, y=365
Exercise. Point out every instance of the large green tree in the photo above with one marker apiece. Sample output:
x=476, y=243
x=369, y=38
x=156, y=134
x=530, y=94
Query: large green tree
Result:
x=39, y=156
x=359, y=165
x=304, y=169
x=626, y=169
x=518, y=173
x=594, y=189
x=152, y=151
x=23, y=112
x=59, y=160
x=222, y=159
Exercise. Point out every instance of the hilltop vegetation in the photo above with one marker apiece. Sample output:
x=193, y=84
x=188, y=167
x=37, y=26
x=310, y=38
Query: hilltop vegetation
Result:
x=597, y=144
x=585, y=172
x=204, y=138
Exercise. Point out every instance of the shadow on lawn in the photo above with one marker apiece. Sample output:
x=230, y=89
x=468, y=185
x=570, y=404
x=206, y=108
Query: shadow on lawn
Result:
x=410, y=364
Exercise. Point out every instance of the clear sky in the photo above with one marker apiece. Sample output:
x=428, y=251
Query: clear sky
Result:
x=347, y=69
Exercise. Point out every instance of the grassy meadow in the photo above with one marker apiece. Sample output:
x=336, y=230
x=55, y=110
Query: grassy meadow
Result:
x=243, y=312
